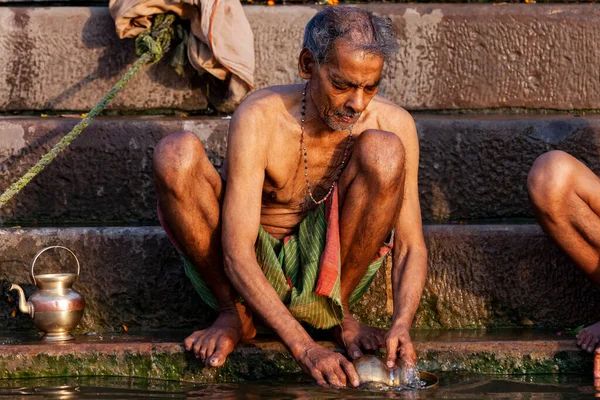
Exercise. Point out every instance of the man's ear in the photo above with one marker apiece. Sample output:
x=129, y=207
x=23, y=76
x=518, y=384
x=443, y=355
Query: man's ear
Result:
x=306, y=64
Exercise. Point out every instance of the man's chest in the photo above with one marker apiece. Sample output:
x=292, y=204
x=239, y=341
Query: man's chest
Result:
x=297, y=166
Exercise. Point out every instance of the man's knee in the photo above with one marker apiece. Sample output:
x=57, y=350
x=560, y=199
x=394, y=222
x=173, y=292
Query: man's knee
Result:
x=176, y=157
x=550, y=179
x=381, y=156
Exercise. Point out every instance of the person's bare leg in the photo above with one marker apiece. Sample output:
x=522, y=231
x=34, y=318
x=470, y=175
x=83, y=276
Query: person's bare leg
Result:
x=566, y=199
x=371, y=191
x=190, y=193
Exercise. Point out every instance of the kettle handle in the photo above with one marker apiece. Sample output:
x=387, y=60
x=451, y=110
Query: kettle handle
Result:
x=48, y=248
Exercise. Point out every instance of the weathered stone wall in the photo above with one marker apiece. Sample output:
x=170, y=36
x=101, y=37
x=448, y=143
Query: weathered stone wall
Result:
x=106, y=174
x=68, y=58
x=479, y=276
x=452, y=57
x=470, y=167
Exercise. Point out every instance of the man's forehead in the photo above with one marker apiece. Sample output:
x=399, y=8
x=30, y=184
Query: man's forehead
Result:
x=354, y=65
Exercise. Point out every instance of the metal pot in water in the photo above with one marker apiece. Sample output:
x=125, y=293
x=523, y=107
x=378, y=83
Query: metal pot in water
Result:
x=372, y=371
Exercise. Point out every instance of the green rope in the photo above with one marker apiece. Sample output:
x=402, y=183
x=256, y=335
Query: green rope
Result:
x=150, y=45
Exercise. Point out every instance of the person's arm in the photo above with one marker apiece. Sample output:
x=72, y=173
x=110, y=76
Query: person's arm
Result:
x=247, y=155
x=409, y=255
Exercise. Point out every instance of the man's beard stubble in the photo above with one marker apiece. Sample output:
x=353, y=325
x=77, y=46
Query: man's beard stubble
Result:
x=329, y=119
x=330, y=122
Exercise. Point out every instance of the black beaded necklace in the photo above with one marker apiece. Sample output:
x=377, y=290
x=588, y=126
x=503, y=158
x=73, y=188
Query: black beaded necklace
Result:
x=302, y=141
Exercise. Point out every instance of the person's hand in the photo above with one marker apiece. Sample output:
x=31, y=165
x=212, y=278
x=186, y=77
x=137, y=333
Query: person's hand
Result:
x=327, y=367
x=399, y=345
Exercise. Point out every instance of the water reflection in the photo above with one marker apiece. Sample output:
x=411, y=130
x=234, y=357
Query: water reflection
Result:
x=452, y=386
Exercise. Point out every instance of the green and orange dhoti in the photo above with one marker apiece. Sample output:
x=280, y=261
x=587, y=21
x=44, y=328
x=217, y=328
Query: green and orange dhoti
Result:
x=304, y=269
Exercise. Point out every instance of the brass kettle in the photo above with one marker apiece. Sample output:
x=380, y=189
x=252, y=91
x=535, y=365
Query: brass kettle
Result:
x=55, y=307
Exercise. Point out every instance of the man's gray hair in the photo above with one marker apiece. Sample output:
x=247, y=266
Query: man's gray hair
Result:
x=363, y=29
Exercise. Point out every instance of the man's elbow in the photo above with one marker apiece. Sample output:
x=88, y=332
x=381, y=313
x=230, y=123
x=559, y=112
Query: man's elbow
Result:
x=234, y=264
x=412, y=257
x=229, y=263
x=414, y=249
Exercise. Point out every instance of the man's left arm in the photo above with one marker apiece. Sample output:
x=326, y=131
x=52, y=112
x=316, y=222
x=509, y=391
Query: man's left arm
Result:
x=409, y=255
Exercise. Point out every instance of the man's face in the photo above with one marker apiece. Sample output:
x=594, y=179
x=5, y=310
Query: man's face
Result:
x=343, y=87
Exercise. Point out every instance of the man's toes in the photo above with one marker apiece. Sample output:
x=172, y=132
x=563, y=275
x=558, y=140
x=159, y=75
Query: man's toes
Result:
x=202, y=354
x=354, y=351
x=367, y=343
x=210, y=350
x=377, y=341
x=199, y=350
x=584, y=339
x=374, y=342
x=223, y=348
x=190, y=340
x=364, y=343
x=590, y=344
x=583, y=342
x=582, y=336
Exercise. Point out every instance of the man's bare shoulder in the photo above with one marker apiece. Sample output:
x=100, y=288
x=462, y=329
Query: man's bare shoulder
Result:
x=393, y=118
x=258, y=119
x=263, y=107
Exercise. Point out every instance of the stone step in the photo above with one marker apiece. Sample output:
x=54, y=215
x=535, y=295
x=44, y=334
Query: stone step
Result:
x=160, y=357
x=453, y=56
x=479, y=276
x=471, y=167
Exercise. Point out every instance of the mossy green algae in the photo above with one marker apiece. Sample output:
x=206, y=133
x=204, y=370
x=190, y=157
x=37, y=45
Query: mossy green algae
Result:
x=248, y=364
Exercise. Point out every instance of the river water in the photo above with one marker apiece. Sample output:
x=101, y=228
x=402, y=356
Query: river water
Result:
x=451, y=386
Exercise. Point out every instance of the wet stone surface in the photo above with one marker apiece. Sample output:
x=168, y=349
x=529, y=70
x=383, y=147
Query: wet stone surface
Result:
x=161, y=355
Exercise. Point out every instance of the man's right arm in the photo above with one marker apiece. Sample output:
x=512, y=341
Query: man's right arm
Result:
x=247, y=156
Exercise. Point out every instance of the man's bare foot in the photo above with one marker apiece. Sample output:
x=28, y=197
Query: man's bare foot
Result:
x=588, y=337
x=355, y=337
x=214, y=344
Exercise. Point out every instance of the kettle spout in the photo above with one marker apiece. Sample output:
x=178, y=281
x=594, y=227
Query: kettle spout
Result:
x=25, y=306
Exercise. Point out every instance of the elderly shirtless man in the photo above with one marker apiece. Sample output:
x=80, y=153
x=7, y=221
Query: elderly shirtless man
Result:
x=317, y=177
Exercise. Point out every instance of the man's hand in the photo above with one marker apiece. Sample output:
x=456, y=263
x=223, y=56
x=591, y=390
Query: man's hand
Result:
x=399, y=345
x=327, y=367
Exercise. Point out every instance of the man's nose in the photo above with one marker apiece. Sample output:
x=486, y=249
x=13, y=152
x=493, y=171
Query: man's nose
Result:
x=356, y=101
